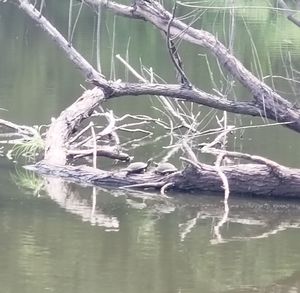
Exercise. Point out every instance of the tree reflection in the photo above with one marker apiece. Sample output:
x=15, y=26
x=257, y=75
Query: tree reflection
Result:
x=174, y=236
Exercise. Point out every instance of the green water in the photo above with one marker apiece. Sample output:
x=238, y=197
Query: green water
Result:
x=70, y=238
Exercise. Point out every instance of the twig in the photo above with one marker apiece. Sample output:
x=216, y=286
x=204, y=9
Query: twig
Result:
x=72, y=54
x=76, y=21
x=226, y=196
x=144, y=185
x=41, y=7
x=164, y=187
x=222, y=176
x=131, y=69
x=109, y=129
x=135, y=130
x=190, y=152
x=195, y=164
x=289, y=13
x=275, y=167
x=70, y=22
x=135, y=117
x=111, y=125
x=21, y=129
x=98, y=48
x=104, y=151
x=174, y=53
x=170, y=153
x=95, y=145
x=163, y=99
x=144, y=143
x=79, y=134
x=132, y=124
x=217, y=139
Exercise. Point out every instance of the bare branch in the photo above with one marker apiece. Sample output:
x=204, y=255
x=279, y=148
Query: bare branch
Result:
x=174, y=53
x=289, y=14
x=72, y=54
x=265, y=99
x=103, y=151
x=283, y=112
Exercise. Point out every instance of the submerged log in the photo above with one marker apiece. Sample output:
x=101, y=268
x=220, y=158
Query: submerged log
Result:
x=249, y=179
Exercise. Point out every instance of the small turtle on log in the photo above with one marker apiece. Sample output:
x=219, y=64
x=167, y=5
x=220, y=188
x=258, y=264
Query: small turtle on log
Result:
x=138, y=167
x=165, y=169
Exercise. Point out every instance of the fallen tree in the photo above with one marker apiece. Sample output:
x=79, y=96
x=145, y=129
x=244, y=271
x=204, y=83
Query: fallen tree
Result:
x=67, y=139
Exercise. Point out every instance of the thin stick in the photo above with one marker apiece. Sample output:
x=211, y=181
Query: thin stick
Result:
x=222, y=176
x=98, y=37
x=163, y=99
x=131, y=69
x=41, y=7
x=190, y=152
x=80, y=133
x=217, y=139
x=70, y=21
x=76, y=21
x=174, y=53
x=95, y=145
x=164, y=188
x=197, y=165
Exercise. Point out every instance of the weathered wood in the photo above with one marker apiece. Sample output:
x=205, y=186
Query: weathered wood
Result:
x=270, y=103
x=111, y=152
x=84, y=66
x=252, y=179
x=266, y=102
x=56, y=149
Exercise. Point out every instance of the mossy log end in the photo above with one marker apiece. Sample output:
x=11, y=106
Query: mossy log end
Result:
x=250, y=179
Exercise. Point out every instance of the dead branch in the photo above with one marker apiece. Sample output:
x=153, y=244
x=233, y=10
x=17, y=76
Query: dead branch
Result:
x=289, y=14
x=103, y=151
x=253, y=179
x=20, y=130
x=58, y=135
x=174, y=53
x=266, y=101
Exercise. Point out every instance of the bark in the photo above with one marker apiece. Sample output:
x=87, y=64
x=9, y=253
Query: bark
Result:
x=251, y=179
x=289, y=13
x=56, y=149
x=266, y=102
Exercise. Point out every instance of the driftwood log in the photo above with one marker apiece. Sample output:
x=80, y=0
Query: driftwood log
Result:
x=264, y=178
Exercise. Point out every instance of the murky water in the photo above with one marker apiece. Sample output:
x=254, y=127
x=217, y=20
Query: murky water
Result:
x=61, y=237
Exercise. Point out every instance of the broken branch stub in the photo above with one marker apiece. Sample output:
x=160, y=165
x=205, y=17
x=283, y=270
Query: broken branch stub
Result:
x=57, y=140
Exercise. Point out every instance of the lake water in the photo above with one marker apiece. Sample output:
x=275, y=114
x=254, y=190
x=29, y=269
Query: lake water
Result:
x=57, y=236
